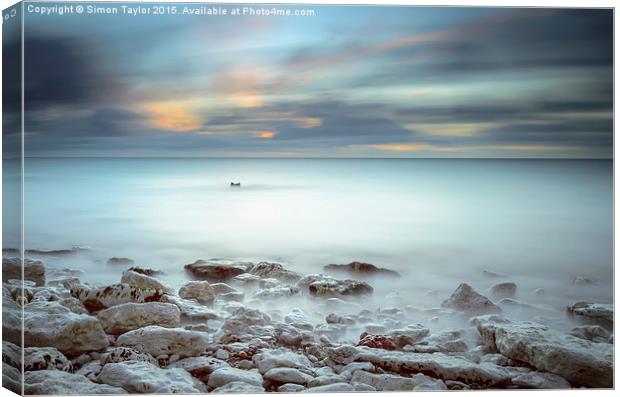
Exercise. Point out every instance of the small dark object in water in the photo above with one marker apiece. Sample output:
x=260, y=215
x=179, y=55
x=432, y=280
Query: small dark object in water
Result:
x=233, y=184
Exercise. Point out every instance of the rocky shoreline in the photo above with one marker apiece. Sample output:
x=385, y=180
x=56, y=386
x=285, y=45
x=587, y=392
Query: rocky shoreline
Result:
x=225, y=332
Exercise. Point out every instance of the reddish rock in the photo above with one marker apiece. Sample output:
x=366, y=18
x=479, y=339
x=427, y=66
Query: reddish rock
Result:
x=377, y=341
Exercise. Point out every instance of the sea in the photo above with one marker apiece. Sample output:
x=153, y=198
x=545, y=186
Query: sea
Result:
x=438, y=222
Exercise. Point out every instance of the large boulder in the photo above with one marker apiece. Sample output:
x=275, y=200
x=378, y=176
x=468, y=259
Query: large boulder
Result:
x=52, y=382
x=216, y=270
x=201, y=291
x=389, y=382
x=599, y=312
x=276, y=271
x=225, y=375
x=437, y=365
x=143, y=281
x=49, y=324
x=95, y=299
x=157, y=340
x=360, y=269
x=33, y=270
x=579, y=361
x=320, y=285
x=144, y=377
x=129, y=316
x=242, y=324
x=11, y=318
x=465, y=299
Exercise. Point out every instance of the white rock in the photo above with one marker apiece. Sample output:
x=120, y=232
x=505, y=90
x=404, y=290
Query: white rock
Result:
x=95, y=299
x=90, y=370
x=540, y=380
x=200, y=367
x=275, y=270
x=32, y=270
x=238, y=388
x=39, y=358
x=142, y=281
x=296, y=315
x=129, y=316
x=596, y=311
x=225, y=375
x=190, y=309
x=12, y=379
x=157, y=340
x=281, y=358
x=144, y=377
x=333, y=388
x=49, y=324
x=121, y=354
x=594, y=333
x=290, y=388
x=389, y=382
x=327, y=380
x=53, y=382
x=201, y=291
x=287, y=375
x=581, y=362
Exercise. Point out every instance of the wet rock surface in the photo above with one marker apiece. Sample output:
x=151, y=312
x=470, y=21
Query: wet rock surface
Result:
x=258, y=327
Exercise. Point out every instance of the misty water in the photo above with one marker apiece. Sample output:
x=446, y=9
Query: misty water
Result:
x=437, y=222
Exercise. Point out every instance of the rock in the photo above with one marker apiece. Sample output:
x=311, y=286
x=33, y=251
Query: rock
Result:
x=90, y=370
x=49, y=324
x=119, y=261
x=377, y=341
x=12, y=379
x=201, y=291
x=290, y=388
x=389, y=382
x=348, y=370
x=410, y=335
x=278, y=292
x=225, y=375
x=238, y=388
x=11, y=354
x=596, y=311
x=142, y=281
x=296, y=316
x=236, y=296
x=144, y=377
x=503, y=290
x=39, y=358
x=74, y=304
x=157, y=340
x=242, y=321
x=465, y=299
x=594, y=333
x=333, y=318
x=581, y=362
x=492, y=274
x=95, y=299
x=146, y=271
x=11, y=319
x=190, y=310
x=580, y=281
x=437, y=365
x=53, y=382
x=200, y=367
x=222, y=288
x=281, y=358
x=540, y=380
x=246, y=280
x=333, y=388
x=327, y=380
x=119, y=319
x=279, y=376
x=275, y=270
x=360, y=269
x=122, y=354
x=216, y=270
x=33, y=270
x=328, y=287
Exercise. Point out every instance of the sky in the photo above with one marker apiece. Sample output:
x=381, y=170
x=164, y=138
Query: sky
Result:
x=350, y=81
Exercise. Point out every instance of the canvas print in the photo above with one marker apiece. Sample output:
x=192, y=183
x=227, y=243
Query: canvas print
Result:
x=249, y=198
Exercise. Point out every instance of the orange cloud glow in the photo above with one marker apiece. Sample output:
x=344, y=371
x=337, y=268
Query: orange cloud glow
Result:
x=265, y=134
x=401, y=147
x=172, y=116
